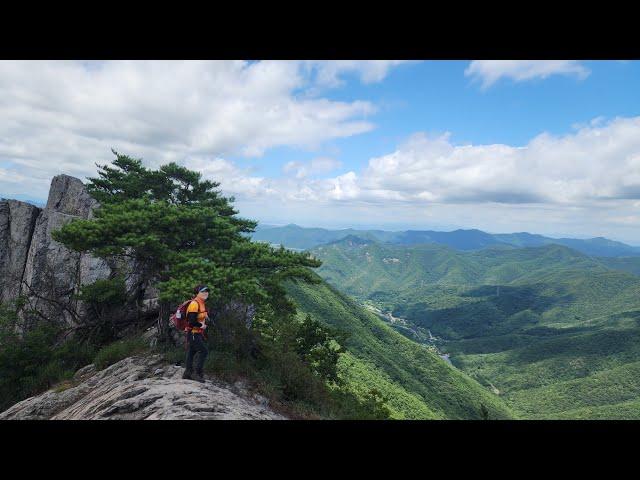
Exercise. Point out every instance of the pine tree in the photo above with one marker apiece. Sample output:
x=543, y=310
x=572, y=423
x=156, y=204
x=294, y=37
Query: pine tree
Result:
x=180, y=231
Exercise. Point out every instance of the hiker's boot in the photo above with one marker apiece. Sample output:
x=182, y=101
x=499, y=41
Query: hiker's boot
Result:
x=187, y=375
x=198, y=377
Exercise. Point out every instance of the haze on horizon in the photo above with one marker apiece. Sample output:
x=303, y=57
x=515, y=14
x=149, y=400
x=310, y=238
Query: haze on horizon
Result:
x=545, y=147
x=439, y=228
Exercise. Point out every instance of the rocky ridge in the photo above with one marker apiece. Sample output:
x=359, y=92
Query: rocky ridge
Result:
x=142, y=388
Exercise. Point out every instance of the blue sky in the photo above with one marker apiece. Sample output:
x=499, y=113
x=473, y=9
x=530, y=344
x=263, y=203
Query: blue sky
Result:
x=437, y=97
x=549, y=147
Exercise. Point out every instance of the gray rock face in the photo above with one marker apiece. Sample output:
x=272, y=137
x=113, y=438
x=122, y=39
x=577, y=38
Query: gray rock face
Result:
x=17, y=222
x=52, y=272
x=142, y=388
x=69, y=196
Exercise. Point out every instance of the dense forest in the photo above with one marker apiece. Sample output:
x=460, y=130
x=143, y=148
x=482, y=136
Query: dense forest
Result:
x=553, y=330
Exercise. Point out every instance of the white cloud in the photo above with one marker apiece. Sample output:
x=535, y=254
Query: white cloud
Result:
x=329, y=73
x=490, y=71
x=633, y=220
x=233, y=180
x=595, y=165
x=63, y=116
x=316, y=166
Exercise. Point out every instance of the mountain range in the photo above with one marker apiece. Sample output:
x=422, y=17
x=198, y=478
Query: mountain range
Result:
x=296, y=237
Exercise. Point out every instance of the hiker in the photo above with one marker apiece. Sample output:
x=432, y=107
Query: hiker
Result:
x=197, y=317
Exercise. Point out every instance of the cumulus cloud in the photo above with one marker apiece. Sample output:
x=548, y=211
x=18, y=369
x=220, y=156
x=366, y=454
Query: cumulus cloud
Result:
x=596, y=164
x=63, y=116
x=490, y=71
x=330, y=73
x=316, y=166
x=233, y=180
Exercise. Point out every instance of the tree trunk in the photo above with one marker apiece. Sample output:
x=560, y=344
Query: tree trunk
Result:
x=164, y=312
x=164, y=334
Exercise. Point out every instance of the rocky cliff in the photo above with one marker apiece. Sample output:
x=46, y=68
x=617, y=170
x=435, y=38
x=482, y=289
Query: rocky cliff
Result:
x=142, y=388
x=42, y=270
x=17, y=223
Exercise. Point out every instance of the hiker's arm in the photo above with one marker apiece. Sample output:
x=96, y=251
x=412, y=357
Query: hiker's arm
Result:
x=192, y=315
x=192, y=318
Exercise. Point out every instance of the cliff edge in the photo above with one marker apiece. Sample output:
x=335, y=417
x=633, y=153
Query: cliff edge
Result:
x=142, y=388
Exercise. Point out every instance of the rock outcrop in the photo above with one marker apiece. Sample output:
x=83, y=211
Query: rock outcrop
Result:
x=17, y=223
x=44, y=271
x=37, y=267
x=53, y=273
x=142, y=388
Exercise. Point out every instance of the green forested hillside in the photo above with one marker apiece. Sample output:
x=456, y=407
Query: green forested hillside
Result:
x=553, y=330
x=626, y=264
x=416, y=382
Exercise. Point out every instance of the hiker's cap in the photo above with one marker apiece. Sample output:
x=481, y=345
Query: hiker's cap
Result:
x=201, y=288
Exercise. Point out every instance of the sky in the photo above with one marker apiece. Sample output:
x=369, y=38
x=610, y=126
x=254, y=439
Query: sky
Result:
x=548, y=147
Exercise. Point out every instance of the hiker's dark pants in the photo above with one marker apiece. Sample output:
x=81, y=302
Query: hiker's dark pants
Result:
x=196, y=344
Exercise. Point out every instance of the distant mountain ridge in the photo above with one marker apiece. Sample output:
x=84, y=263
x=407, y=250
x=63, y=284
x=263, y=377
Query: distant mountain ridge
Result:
x=294, y=236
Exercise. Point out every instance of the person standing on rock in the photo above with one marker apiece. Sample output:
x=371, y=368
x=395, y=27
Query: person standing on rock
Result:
x=197, y=317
